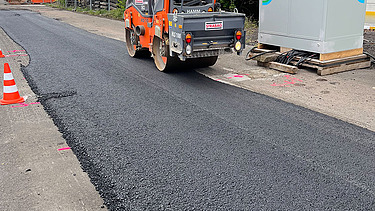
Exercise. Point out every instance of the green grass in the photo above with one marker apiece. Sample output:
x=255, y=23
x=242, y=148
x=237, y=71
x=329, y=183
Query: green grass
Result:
x=116, y=14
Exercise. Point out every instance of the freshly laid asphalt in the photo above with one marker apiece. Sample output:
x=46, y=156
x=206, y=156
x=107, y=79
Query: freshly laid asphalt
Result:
x=156, y=141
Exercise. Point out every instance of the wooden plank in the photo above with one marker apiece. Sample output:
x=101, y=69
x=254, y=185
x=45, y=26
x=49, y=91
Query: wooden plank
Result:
x=283, y=67
x=321, y=63
x=261, y=50
x=283, y=49
x=333, y=61
x=323, y=57
x=280, y=67
x=341, y=54
x=334, y=65
x=344, y=67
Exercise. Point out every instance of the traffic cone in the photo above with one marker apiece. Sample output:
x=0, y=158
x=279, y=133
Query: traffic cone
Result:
x=1, y=54
x=11, y=95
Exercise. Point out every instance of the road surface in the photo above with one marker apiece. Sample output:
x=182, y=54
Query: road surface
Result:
x=156, y=141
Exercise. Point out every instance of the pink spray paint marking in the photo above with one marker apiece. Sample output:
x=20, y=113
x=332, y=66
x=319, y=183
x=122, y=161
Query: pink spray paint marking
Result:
x=20, y=105
x=15, y=55
x=14, y=51
x=62, y=149
x=236, y=76
x=24, y=105
x=288, y=82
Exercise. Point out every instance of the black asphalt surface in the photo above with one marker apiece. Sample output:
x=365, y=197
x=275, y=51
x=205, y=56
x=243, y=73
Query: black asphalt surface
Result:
x=156, y=141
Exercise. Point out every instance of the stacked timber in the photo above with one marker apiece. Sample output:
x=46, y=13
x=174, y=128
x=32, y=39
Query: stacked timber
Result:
x=96, y=4
x=15, y=2
x=324, y=64
x=103, y=4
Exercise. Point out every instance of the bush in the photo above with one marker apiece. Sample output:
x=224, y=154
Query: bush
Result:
x=249, y=7
x=121, y=4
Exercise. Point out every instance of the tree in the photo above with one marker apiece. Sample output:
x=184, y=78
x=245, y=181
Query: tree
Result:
x=249, y=7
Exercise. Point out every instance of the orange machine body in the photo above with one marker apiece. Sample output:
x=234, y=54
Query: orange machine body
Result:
x=159, y=19
x=175, y=31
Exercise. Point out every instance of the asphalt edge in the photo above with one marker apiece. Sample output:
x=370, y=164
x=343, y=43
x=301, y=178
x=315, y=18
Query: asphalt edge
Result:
x=67, y=136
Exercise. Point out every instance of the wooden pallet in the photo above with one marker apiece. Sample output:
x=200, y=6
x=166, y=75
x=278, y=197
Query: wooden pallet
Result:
x=322, y=57
x=268, y=60
x=339, y=65
x=323, y=67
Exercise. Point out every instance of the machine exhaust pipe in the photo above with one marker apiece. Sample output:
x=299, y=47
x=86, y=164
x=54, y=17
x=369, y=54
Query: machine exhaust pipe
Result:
x=140, y=30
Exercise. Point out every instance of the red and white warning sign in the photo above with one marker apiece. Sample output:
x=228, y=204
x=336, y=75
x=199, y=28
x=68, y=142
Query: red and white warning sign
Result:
x=218, y=25
x=138, y=1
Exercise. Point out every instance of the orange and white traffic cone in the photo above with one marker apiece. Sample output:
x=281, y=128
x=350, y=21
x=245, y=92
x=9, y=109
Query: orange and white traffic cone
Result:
x=11, y=95
x=1, y=54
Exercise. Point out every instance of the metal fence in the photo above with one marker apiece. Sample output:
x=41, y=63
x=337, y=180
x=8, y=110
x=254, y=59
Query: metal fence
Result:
x=93, y=4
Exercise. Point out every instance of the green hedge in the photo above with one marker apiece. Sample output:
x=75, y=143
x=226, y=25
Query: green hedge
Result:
x=249, y=7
